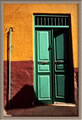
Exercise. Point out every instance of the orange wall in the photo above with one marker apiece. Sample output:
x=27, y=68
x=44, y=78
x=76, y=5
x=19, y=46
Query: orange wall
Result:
x=20, y=17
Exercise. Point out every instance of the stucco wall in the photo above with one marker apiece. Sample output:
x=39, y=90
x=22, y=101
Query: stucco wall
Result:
x=20, y=17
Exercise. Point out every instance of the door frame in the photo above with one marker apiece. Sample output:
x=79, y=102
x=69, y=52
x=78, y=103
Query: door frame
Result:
x=35, y=48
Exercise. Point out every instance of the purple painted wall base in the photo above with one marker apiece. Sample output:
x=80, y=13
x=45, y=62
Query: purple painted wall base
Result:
x=22, y=83
x=76, y=86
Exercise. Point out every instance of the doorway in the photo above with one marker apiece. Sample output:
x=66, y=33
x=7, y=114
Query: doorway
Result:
x=51, y=64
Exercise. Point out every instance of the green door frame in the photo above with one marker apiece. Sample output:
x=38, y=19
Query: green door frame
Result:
x=35, y=48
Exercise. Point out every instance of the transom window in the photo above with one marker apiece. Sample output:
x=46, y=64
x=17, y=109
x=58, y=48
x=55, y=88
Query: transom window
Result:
x=51, y=20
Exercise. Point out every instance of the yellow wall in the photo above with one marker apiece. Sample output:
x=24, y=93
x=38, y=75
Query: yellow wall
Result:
x=20, y=17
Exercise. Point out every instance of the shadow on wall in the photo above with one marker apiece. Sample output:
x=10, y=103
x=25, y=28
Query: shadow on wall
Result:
x=21, y=77
x=71, y=65
x=23, y=99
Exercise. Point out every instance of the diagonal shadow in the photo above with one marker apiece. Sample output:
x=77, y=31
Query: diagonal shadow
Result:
x=23, y=99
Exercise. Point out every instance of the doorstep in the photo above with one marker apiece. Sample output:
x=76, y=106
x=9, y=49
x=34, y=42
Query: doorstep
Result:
x=64, y=104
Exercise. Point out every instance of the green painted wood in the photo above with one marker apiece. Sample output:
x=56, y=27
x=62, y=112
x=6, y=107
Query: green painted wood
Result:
x=60, y=85
x=59, y=47
x=59, y=65
x=44, y=82
x=43, y=44
x=34, y=56
x=44, y=26
x=62, y=21
x=44, y=87
x=51, y=21
x=9, y=84
x=59, y=68
x=43, y=68
x=9, y=64
x=50, y=78
x=50, y=15
x=52, y=67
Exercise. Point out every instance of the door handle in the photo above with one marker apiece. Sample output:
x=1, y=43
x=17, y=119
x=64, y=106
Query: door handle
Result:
x=44, y=63
x=50, y=47
x=58, y=62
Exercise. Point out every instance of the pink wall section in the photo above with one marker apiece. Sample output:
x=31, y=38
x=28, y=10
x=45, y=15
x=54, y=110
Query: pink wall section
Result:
x=22, y=83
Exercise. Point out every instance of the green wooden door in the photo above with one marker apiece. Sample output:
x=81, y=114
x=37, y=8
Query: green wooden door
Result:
x=51, y=65
x=43, y=75
x=60, y=65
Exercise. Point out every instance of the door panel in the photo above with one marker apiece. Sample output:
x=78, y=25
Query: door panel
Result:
x=60, y=64
x=43, y=44
x=60, y=85
x=59, y=67
x=59, y=47
x=44, y=77
x=44, y=87
x=44, y=68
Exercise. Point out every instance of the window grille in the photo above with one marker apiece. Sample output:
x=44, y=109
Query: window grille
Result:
x=51, y=20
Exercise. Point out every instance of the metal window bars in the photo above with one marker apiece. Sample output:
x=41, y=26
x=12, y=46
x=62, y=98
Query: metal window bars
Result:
x=51, y=20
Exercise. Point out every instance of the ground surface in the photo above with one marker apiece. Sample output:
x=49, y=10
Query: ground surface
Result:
x=57, y=109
